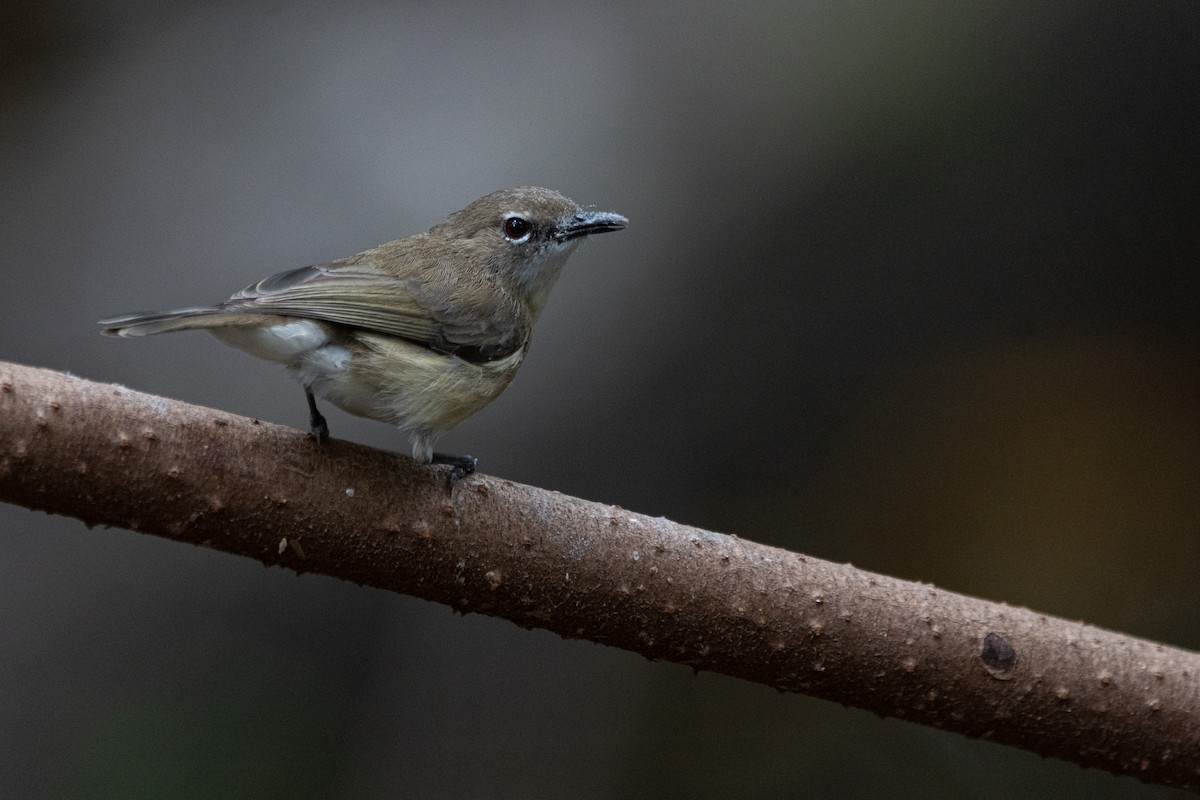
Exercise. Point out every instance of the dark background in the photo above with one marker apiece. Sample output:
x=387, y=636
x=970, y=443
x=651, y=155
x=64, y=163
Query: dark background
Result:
x=912, y=285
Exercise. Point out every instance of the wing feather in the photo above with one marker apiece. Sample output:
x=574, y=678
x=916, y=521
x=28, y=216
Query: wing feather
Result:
x=359, y=295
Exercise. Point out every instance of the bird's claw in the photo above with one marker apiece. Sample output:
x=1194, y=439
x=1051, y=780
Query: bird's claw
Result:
x=460, y=466
x=319, y=430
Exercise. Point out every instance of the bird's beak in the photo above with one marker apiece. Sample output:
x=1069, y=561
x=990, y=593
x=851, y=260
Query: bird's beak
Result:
x=583, y=223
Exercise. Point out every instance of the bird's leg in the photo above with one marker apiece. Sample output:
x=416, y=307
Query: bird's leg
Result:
x=320, y=430
x=460, y=466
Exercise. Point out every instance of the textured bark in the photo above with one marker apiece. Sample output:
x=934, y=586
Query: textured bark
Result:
x=111, y=456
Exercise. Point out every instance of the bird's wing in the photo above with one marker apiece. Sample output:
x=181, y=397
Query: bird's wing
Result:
x=351, y=296
x=361, y=296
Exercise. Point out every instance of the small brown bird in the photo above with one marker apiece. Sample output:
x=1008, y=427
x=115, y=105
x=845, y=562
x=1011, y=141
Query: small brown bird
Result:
x=420, y=332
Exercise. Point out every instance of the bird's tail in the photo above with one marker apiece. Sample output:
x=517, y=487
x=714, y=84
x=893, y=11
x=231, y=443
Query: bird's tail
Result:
x=183, y=319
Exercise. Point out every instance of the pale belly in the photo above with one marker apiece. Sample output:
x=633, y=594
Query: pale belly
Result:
x=405, y=384
x=380, y=377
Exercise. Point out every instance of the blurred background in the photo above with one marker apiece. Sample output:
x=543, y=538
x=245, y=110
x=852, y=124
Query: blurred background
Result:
x=908, y=284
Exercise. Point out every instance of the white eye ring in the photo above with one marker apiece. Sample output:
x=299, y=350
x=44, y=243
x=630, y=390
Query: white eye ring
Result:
x=517, y=229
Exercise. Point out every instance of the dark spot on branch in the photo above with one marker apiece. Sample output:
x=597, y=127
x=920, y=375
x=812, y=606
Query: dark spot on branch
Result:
x=294, y=544
x=998, y=655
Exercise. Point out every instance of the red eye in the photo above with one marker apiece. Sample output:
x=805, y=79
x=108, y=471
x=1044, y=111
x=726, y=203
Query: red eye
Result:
x=517, y=229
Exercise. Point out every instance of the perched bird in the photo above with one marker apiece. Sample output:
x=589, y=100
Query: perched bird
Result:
x=420, y=332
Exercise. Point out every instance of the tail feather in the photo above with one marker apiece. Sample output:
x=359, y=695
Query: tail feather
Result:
x=150, y=323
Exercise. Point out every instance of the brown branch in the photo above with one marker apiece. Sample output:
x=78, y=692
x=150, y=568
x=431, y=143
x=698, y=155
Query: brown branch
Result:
x=112, y=456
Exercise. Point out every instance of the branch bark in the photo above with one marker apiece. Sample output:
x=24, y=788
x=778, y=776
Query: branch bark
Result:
x=111, y=456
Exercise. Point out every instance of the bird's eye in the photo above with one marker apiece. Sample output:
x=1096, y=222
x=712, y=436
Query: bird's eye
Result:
x=517, y=229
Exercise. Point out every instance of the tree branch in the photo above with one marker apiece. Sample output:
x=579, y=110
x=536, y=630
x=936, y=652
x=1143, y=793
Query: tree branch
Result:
x=112, y=456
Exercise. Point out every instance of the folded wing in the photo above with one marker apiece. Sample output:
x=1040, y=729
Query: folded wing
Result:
x=362, y=297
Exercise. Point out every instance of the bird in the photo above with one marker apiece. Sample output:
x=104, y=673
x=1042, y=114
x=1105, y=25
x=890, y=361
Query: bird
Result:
x=420, y=332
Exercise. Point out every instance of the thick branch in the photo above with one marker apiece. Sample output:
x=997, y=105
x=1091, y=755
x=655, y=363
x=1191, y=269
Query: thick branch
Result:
x=111, y=456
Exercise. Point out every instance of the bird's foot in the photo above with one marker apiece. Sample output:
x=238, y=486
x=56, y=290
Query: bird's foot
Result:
x=316, y=421
x=319, y=430
x=460, y=466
